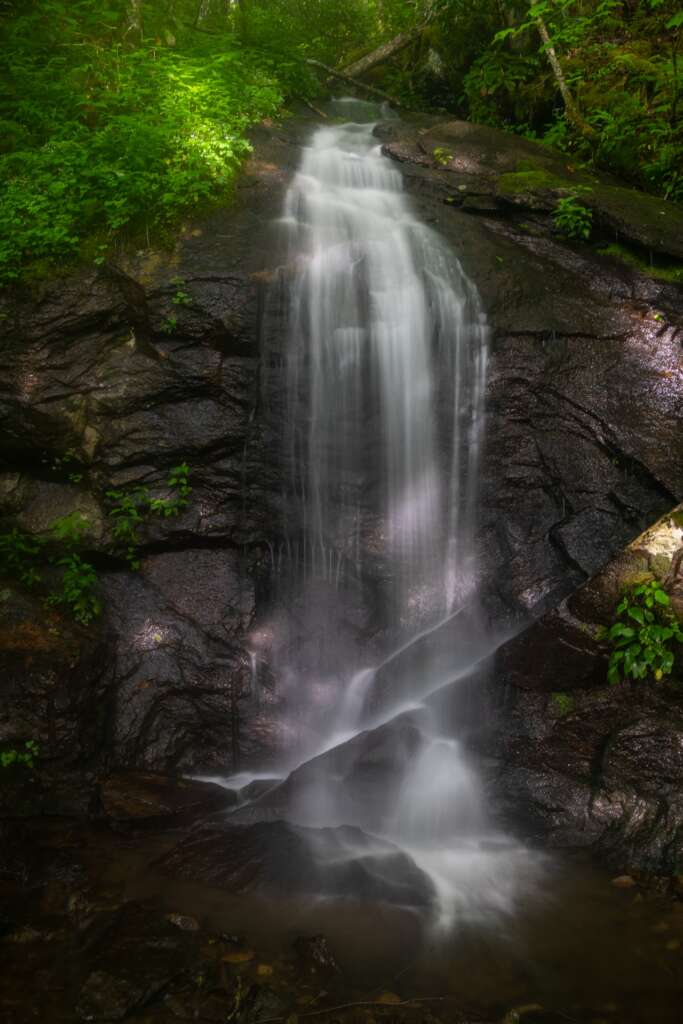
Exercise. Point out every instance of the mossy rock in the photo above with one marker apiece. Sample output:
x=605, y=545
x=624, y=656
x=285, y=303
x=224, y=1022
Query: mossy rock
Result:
x=525, y=181
x=671, y=272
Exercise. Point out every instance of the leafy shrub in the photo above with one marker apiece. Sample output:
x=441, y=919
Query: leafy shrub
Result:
x=642, y=638
x=572, y=219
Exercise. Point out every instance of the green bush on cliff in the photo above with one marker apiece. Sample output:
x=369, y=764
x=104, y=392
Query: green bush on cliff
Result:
x=644, y=634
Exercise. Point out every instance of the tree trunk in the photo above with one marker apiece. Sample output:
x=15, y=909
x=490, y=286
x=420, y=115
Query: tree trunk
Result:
x=382, y=53
x=570, y=107
x=243, y=19
x=203, y=11
x=134, y=22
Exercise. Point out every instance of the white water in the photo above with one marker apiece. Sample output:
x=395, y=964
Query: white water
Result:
x=387, y=368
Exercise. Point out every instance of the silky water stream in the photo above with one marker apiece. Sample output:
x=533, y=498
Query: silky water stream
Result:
x=376, y=622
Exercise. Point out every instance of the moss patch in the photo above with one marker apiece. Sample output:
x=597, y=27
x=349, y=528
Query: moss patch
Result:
x=670, y=271
x=530, y=181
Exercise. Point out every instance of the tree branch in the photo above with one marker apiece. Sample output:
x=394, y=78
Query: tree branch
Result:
x=347, y=78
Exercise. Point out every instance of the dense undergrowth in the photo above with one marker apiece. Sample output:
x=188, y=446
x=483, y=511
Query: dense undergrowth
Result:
x=485, y=60
x=98, y=137
x=106, y=131
x=116, y=116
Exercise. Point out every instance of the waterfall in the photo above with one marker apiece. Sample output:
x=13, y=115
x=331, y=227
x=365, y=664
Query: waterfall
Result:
x=377, y=605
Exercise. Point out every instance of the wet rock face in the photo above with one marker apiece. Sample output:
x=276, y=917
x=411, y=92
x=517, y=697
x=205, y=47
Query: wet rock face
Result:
x=107, y=382
x=585, y=372
x=583, y=763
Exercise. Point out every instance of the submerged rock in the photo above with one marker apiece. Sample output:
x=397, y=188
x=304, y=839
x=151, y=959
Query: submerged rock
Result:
x=355, y=782
x=131, y=961
x=283, y=860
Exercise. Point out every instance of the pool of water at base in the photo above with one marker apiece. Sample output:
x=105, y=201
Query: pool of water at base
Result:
x=583, y=949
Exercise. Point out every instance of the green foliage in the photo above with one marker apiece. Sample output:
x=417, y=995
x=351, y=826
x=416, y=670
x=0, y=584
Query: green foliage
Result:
x=643, y=634
x=442, y=156
x=169, y=325
x=572, y=219
x=130, y=509
x=99, y=137
x=128, y=512
x=20, y=557
x=70, y=529
x=621, y=62
x=180, y=297
x=25, y=757
x=78, y=590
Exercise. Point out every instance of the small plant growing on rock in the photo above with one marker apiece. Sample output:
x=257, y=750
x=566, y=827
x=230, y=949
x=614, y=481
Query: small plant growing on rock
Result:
x=442, y=156
x=643, y=635
x=181, y=297
x=130, y=509
x=25, y=758
x=19, y=556
x=572, y=219
x=70, y=529
x=78, y=590
x=169, y=325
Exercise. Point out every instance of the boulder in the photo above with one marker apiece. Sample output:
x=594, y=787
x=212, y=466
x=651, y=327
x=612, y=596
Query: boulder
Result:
x=138, y=797
x=284, y=860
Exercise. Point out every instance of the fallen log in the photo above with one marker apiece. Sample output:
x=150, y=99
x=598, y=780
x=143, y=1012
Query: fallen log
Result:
x=383, y=52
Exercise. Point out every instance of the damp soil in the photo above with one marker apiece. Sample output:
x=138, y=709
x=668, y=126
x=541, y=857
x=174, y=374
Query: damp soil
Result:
x=91, y=930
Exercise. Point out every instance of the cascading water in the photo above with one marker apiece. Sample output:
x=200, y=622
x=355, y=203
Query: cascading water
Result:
x=377, y=592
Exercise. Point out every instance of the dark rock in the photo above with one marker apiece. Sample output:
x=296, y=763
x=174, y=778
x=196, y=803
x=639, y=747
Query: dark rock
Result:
x=257, y=788
x=19, y=858
x=49, y=693
x=264, y=1003
x=143, y=797
x=315, y=954
x=280, y=859
x=134, y=960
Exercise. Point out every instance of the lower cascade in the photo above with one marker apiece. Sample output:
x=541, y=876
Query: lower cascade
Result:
x=375, y=624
